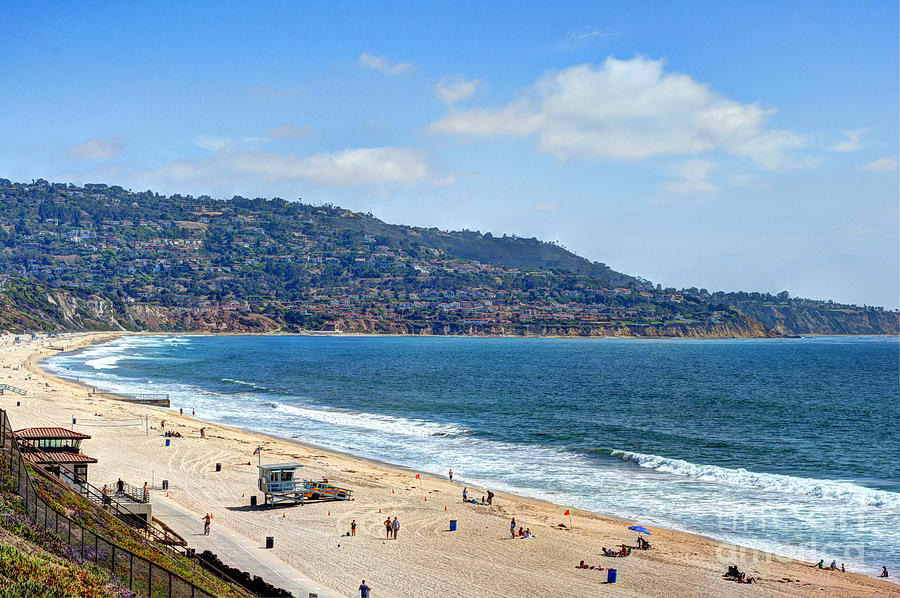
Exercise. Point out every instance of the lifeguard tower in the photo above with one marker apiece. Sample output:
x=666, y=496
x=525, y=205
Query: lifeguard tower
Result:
x=279, y=484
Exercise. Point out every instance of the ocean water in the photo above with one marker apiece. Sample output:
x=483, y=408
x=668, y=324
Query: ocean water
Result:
x=784, y=445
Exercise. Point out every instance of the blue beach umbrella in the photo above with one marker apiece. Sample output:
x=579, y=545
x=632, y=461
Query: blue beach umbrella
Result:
x=641, y=529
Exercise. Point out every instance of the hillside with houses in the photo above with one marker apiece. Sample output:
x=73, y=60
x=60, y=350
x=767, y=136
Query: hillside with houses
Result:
x=103, y=257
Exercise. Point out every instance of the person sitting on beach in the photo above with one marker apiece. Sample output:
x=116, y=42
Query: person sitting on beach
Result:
x=820, y=564
x=884, y=572
x=521, y=532
x=833, y=565
x=581, y=565
x=528, y=533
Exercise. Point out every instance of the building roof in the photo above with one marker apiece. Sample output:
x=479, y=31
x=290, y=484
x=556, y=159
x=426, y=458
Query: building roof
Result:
x=44, y=457
x=281, y=466
x=48, y=433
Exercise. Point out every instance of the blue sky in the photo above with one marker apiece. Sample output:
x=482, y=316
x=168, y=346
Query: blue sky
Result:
x=721, y=145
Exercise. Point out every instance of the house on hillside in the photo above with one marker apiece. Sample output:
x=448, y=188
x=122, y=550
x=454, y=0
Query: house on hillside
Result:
x=56, y=450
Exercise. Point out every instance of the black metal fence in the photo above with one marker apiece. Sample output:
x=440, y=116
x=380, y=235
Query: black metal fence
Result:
x=138, y=574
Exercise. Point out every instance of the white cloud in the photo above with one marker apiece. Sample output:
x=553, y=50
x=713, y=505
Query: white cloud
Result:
x=589, y=32
x=548, y=206
x=851, y=144
x=887, y=164
x=630, y=110
x=289, y=131
x=691, y=176
x=99, y=148
x=381, y=63
x=344, y=168
x=213, y=142
x=454, y=88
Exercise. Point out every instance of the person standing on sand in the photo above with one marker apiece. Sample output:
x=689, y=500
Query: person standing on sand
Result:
x=353, y=527
x=396, y=527
x=451, y=475
x=512, y=528
x=465, y=494
x=206, y=521
x=387, y=527
x=364, y=590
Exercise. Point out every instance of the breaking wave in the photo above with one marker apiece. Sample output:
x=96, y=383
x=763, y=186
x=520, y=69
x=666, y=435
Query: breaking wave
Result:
x=846, y=492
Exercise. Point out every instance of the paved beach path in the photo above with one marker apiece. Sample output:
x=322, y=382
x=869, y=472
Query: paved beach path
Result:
x=236, y=550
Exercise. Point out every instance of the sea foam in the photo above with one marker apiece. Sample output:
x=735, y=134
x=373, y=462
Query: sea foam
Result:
x=846, y=492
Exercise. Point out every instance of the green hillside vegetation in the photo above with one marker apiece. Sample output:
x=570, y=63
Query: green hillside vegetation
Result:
x=103, y=257
x=36, y=563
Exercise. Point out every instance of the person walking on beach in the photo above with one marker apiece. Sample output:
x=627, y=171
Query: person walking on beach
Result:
x=451, y=475
x=353, y=527
x=206, y=521
x=465, y=494
x=512, y=528
x=490, y=500
x=396, y=527
x=364, y=590
x=387, y=527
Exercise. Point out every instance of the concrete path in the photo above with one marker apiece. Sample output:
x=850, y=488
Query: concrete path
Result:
x=238, y=551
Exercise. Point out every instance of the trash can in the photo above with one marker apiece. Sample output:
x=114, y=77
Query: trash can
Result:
x=165, y=484
x=218, y=467
x=270, y=541
x=168, y=442
x=453, y=525
x=253, y=500
x=611, y=576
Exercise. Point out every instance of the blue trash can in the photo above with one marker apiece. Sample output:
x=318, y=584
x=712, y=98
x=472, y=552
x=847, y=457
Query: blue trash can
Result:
x=168, y=442
x=611, y=576
x=453, y=525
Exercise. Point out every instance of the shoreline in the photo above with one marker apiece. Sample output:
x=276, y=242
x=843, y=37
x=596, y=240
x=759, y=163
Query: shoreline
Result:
x=543, y=514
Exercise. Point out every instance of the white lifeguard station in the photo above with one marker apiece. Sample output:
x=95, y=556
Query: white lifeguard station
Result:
x=279, y=483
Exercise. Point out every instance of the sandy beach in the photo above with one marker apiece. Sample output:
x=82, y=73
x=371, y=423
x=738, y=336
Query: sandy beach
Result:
x=479, y=559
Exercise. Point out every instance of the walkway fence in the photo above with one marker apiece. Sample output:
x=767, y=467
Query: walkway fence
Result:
x=138, y=574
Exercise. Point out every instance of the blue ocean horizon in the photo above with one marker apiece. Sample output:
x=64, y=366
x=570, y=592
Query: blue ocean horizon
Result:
x=785, y=445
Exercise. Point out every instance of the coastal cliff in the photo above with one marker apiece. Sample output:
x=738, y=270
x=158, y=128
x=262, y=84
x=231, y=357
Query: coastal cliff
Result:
x=797, y=318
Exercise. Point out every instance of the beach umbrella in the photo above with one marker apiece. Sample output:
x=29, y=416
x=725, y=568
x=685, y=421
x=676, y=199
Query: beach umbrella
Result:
x=641, y=529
